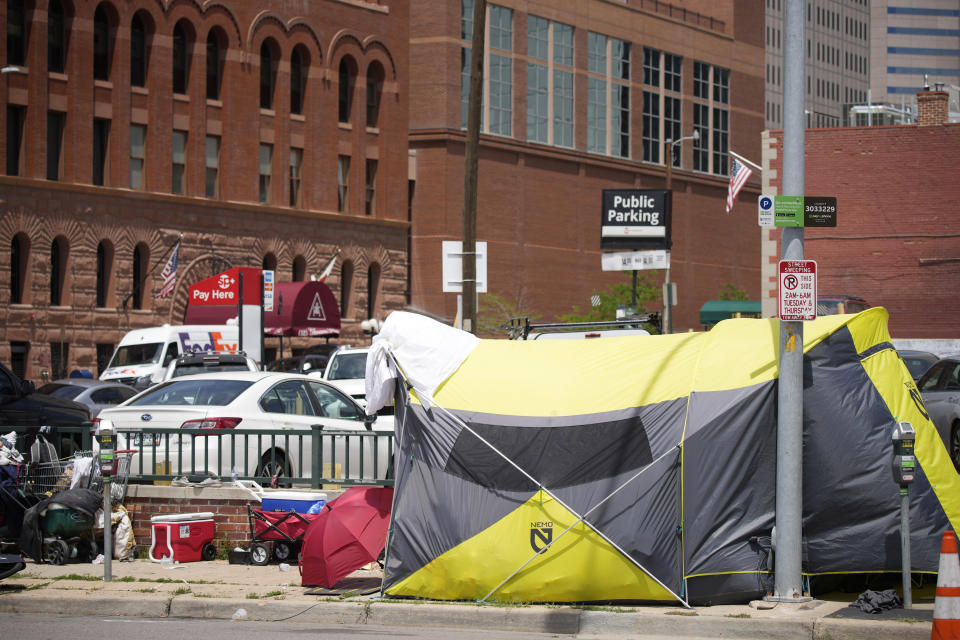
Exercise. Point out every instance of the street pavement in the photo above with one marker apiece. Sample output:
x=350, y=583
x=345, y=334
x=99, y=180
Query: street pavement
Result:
x=219, y=590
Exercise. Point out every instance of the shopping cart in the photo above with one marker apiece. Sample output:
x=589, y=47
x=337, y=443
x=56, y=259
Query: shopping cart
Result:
x=79, y=471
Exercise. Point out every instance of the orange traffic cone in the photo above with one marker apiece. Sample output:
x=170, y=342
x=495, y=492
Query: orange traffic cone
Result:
x=946, y=608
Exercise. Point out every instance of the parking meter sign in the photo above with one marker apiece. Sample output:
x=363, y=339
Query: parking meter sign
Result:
x=797, y=290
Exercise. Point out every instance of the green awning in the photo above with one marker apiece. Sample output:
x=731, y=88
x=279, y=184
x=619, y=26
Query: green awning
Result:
x=713, y=311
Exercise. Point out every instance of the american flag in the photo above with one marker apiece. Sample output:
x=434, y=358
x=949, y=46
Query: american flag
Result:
x=169, y=273
x=739, y=173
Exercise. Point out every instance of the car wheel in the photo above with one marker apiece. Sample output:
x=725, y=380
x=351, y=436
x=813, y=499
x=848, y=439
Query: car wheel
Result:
x=955, y=445
x=273, y=465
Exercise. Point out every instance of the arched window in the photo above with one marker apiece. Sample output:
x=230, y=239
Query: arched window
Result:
x=102, y=44
x=104, y=271
x=214, y=65
x=268, y=72
x=298, y=80
x=299, y=269
x=138, y=52
x=56, y=37
x=19, y=255
x=373, y=289
x=59, y=253
x=181, y=58
x=346, y=287
x=141, y=256
x=347, y=76
x=374, y=91
x=269, y=262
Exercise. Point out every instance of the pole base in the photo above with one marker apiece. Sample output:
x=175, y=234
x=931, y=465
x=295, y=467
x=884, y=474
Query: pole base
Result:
x=796, y=598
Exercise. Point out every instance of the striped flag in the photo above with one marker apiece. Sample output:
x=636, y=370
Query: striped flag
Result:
x=329, y=268
x=169, y=273
x=739, y=173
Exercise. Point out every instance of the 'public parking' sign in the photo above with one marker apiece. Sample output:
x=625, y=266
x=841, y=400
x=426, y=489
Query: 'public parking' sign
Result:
x=797, y=290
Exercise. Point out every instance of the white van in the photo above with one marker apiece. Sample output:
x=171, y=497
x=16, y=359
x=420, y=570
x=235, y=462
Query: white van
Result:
x=142, y=356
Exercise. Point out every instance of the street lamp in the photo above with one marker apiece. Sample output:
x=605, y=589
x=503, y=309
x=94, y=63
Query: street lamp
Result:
x=668, y=146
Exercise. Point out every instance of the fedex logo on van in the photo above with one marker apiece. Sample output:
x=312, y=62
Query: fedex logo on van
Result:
x=205, y=341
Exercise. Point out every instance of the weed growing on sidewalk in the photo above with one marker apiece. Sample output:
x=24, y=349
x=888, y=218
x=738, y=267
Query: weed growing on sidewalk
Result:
x=77, y=576
x=147, y=590
x=37, y=586
x=257, y=596
x=127, y=579
x=181, y=591
x=737, y=615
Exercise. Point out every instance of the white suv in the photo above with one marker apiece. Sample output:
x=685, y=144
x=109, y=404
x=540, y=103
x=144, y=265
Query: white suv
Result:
x=347, y=369
x=209, y=362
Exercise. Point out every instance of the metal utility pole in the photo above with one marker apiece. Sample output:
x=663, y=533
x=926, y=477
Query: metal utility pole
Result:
x=788, y=585
x=469, y=285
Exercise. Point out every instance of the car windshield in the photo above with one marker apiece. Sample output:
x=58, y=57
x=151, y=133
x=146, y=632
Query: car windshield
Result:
x=917, y=365
x=60, y=390
x=348, y=366
x=193, y=392
x=133, y=354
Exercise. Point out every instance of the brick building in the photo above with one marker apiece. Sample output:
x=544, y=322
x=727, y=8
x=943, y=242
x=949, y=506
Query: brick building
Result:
x=581, y=96
x=896, y=242
x=266, y=134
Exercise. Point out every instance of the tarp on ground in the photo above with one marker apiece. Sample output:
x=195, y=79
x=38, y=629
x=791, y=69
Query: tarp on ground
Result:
x=644, y=468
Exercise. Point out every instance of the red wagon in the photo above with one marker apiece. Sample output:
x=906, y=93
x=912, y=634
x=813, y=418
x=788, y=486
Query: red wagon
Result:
x=282, y=530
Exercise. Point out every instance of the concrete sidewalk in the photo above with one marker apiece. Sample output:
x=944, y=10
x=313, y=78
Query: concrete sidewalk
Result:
x=221, y=590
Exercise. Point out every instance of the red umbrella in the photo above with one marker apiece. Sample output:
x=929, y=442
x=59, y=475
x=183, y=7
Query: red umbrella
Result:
x=350, y=532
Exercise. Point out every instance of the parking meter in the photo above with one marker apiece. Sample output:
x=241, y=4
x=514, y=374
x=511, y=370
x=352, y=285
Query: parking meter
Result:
x=904, y=473
x=904, y=460
x=105, y=437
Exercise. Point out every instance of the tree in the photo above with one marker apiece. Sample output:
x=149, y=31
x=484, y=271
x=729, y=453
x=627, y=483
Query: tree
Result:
x=495, y=311
x=730, y=292
x=612, y=298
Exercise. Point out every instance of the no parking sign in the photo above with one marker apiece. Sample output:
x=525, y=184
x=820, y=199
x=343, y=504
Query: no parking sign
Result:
x=797, y=290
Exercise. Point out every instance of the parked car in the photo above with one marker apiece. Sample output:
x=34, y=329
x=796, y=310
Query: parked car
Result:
x=308, y=363
x=918, y=362
x=96, y=395
x=20, y=406
x=209, y=362
x=347, y=370
x=232, y=402
x=833, y=304
x=940, y=389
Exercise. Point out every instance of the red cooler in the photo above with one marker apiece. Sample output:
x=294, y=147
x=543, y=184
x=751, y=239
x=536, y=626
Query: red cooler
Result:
x=184, y=537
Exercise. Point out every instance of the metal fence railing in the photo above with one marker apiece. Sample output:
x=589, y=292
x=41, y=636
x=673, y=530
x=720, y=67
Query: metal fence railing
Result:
x=313, y=457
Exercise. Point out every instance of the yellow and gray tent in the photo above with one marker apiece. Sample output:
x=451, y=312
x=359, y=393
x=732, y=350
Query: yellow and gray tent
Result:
x=644, y=468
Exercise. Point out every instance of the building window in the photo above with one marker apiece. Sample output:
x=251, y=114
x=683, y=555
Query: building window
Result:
x=102, y=44
x=16, y=33
x=138, y=52
x=269, y=262
x=296, y=160
x=298, y=77
x=550, y=82
x=711, y=118
x=56, y=37
x=661, y=111
x=59, y=252
x=346, y=287
x=15, y=118
x=370, y=202
x=266, y=155
x=59, y=357
x=214, y=65
x=179, y=161
x=101, y=138
x=651, y=126
x=104, y=272
x=608, y=95
x=55, y=120
x=19, y=260
x=141, y=256
x=268, y=73
x=497, y=108
x=104, y=353
x=671, y=126
x=212, y=157
x=181, y=59
x=651, y=67
x=343, y=178
x=374, y=90
x=138, y=136
x=373, y=289
x=299, y=269
x=345, y=80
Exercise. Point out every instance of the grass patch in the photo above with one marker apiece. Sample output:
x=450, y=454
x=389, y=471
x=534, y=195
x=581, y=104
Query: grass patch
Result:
x=147, y=590
x=182, y=591
x=77, y=576
x=737, y=615
x=174, y=581
x=591, y=607
x=127, y=579
x=37, y=586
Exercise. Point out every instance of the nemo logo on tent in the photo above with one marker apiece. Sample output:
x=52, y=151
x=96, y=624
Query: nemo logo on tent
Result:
x=541, y=535
x=917, y=399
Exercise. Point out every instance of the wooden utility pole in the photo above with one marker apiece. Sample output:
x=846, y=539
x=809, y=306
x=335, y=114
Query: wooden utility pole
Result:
x=469, y=287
